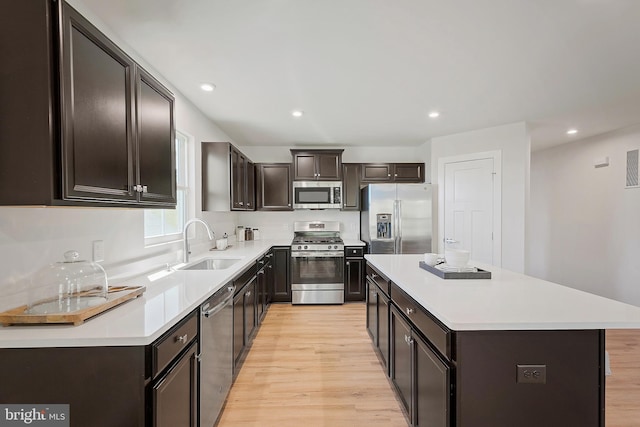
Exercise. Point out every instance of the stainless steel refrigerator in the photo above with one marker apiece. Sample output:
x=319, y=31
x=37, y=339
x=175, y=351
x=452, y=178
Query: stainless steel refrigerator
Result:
x=396, y=218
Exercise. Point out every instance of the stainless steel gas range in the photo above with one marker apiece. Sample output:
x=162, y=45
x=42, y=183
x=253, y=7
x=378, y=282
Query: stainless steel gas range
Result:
x=317, y=263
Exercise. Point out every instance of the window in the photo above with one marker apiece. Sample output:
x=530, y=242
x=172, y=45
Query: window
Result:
x=163, y=225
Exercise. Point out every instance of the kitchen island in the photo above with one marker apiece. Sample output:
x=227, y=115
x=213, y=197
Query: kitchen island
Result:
x=512, y=350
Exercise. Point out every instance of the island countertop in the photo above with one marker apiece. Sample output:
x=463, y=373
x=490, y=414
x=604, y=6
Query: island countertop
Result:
x=507, y=301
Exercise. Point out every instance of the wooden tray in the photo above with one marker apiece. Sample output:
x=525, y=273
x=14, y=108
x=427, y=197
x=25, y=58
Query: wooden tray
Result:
x=480, y=274
x=117, y=295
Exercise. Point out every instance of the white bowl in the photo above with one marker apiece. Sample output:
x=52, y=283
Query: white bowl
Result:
x=456, y=257
x=431, y=259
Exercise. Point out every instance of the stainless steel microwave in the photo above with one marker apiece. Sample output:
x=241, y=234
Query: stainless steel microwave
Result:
x=317, y=194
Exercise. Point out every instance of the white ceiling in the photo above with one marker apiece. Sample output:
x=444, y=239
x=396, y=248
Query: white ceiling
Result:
x=367, y=72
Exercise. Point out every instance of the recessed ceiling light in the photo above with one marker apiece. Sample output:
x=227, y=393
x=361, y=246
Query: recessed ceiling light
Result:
x=572, y=131
x=207, y=87
x=434, y=114
x=297, y=113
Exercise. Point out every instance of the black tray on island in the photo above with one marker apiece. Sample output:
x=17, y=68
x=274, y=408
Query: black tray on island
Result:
x=480, y=274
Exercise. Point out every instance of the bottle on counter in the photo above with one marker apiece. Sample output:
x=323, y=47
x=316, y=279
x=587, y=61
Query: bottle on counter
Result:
x=240, y=233
x=256, y=234
x=248, y=233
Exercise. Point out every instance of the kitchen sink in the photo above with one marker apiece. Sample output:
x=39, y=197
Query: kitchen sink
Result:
x=212, y=264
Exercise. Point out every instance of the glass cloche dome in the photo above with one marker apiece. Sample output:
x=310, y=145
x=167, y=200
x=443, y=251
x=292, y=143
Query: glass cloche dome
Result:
x=67, y=286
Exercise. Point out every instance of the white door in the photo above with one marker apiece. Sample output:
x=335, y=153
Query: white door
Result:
x=471, y=207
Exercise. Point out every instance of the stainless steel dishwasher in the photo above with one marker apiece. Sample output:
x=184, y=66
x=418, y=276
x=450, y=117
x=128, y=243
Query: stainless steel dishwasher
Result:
x=216, y=353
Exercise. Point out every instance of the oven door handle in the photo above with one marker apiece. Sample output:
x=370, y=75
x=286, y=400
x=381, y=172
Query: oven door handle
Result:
x=317, y=254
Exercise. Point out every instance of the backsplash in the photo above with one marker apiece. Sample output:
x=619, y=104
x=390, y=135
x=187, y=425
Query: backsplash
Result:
x=31, y=238
x=280, y=224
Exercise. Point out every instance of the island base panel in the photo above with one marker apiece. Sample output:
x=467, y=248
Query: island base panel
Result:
x=570, y=393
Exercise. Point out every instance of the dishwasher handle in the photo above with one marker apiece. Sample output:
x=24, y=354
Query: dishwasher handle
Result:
x=210, y=312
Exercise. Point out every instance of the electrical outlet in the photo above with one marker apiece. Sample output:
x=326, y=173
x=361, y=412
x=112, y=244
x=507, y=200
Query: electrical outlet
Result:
x=98, y=250
x=531, y=374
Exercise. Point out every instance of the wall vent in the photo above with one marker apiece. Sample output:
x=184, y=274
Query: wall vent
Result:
x=632, y=169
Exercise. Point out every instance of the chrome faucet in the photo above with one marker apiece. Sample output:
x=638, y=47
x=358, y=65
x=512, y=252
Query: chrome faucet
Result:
x=186, y=252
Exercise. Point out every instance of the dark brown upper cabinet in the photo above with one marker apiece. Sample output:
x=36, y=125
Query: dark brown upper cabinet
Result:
x=351, y=186
x=82, y=123
x=242, y=181
x=274, y=189
x=392, y=172
x=317, y=165
x=156, y=157
x=228, y=178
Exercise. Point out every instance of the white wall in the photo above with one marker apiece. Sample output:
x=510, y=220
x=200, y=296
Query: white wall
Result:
x=584, y=225
x=33, y=237
x=513, y=142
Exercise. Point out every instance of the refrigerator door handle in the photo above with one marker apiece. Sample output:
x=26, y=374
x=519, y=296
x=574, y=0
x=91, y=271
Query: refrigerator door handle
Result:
x=399, y=217
x=394, y=228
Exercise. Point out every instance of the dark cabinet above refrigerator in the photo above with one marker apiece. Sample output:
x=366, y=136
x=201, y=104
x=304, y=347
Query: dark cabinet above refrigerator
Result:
x=392, y=172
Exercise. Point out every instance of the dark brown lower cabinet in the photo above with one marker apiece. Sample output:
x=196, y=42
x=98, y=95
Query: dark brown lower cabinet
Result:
x=378, y=321
x=104, y=386
x=431, y=387
x=401, y=359
x=175, y=394
x=383, y=329
x=354, y=284
x=372, y=312
x=422, y=379
x=245, y=319
x=238, y=328
x=281, y=275
x=249, y=310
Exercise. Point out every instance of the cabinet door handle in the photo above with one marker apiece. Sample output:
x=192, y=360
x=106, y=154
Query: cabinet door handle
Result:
x=388, y=174
x=347, y=262
x=144, y=189
x=241, y=204
x=410, y=311
x=182, y=339
x=248, y=294
x=261, y=272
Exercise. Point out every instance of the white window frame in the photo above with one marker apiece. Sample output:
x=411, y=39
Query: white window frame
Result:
x=183, y=185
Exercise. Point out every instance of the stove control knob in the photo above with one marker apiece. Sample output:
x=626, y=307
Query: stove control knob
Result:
x=329, y=247
x=306, y=247
x=335, y=247
x=299, y=247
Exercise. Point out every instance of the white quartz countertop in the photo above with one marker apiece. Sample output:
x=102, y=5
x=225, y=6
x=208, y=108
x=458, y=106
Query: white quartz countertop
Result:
x=507, y=301
x=169, y=297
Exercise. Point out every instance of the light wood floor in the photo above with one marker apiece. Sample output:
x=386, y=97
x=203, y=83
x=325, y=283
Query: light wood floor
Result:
x=622, y=394
x=312, y=366
x=315, y=366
